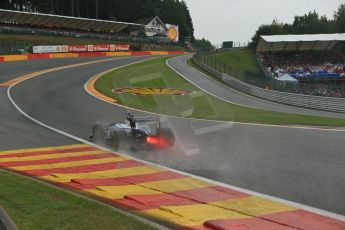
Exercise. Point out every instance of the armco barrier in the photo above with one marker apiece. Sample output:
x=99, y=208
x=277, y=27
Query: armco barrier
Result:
x=15, y=57
x=312, y=102
x=38, y=56
x=64, y=55
x=159, y=53
x=86, y=54
x=140, y=53
x=22, y=57
x=118, y=54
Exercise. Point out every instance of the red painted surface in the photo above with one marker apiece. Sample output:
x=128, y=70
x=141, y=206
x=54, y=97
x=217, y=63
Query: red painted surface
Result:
x=82, y=184
x=185, y=197
x=306, y=220
x=150, y=177
x=143, y=202
x=38, y=56
x=2, y=59
x=245, y=224
x=85, y=168
x=55, y=160
x=90, y=54
x=210, y=194
x=140, y=53
x=56, y=151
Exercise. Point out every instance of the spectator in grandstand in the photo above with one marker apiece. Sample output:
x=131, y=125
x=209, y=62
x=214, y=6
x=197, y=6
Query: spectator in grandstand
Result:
x=308, y=64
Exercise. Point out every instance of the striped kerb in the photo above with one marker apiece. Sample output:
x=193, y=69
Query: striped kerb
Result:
x=176, y=199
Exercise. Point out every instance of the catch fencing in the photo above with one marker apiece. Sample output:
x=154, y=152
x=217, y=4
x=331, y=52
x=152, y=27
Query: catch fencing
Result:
x=323, y=86
x=313, y=102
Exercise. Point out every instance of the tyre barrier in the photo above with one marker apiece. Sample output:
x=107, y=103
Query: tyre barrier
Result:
x=330, y=104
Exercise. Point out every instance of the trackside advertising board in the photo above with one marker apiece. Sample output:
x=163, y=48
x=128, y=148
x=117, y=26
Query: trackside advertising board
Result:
x=173, y=32
x=79, y=48
x=47, y=49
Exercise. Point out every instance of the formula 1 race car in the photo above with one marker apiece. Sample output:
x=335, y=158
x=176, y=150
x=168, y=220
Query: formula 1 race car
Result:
x=135, y=134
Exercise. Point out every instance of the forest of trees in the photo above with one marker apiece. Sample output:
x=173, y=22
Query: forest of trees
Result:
x=203, y=44
x=170, y=11
x=311, y=23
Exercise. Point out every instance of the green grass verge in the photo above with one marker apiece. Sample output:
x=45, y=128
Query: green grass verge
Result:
x=155, y=73
x=239, y=60
x=33, y=205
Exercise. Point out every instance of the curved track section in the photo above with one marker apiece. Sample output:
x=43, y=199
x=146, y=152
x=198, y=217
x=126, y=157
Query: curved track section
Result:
x=228, y=94
x=297, y=164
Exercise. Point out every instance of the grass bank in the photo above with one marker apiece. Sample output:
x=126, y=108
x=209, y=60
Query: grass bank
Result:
x=238, y=60
x=155, y=74
x=33, y=205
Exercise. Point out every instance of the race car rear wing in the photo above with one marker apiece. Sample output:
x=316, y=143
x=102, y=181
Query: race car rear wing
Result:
x=147, y=119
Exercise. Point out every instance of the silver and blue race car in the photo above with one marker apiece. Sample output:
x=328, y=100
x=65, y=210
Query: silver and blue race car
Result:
x=137, y=133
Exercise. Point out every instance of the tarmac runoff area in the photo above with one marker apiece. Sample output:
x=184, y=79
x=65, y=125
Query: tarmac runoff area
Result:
x=208, y=212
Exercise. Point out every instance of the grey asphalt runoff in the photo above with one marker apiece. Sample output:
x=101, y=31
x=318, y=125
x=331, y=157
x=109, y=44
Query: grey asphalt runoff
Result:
x=301, y=165
x=231, y=95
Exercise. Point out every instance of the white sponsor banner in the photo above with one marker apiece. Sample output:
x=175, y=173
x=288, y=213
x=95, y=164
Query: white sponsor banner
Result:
x=79, y=48
x=173, y=32
x=47, y=49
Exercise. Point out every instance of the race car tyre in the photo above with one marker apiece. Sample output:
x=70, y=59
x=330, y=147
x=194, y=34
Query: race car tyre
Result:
x=167, y=135
x=98, y=134
x=113, y=142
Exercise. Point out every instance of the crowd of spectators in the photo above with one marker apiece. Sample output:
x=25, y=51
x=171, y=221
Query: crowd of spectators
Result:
x=314, y=64
x=63, y=32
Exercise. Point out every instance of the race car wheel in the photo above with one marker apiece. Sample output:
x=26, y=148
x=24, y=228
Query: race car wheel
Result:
x=98, y=135
x=113, y=142
x=167, y=135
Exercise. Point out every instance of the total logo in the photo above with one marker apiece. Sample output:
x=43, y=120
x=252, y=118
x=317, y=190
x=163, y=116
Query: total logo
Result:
x=139, y=91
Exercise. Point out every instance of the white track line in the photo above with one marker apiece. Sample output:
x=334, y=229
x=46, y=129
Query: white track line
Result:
x=272, y=198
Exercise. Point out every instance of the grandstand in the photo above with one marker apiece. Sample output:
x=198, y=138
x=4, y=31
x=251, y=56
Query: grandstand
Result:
x=62, y=22
x=302, y=56
x=313, y=60
x=27, y=23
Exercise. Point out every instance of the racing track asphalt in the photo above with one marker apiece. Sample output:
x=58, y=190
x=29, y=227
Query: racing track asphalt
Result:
x=301, y=165
x=16, y=131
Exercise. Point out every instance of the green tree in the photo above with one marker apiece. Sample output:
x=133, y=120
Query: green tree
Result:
x=311, y=23
x=339, y=19
x=203, y=44
x=170, y=11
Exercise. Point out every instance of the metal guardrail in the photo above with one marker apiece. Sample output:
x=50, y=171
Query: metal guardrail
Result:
x=5, y=221
x=312, y=102
x=327, y=87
